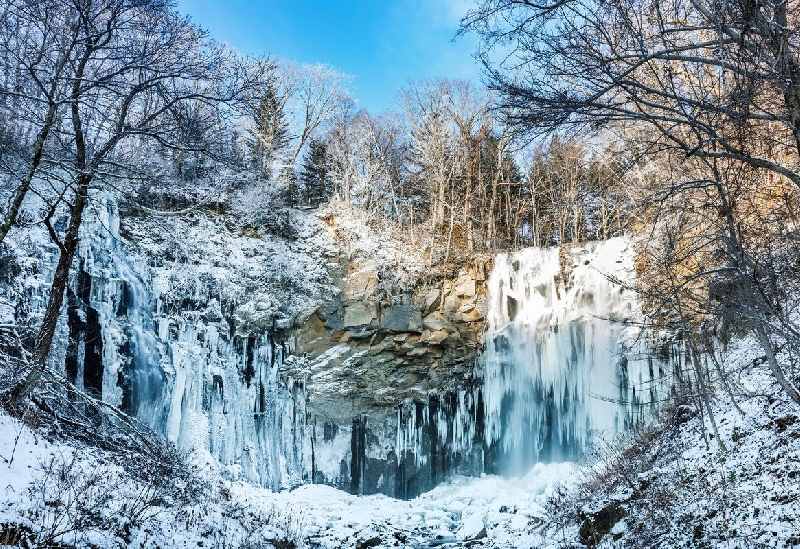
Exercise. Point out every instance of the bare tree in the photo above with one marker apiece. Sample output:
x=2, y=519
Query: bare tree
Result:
x=135, y=64
x=319, y=94
x=697, y=74
x=37, y=47
x=365, y=152
x=426, y=107
x=711, y=90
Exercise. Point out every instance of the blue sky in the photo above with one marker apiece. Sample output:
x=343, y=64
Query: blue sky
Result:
x=382, y=43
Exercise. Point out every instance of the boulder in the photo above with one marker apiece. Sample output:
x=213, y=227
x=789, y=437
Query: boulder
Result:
x=401, y=318
x=360, y=314
x=434, y=337
x=465, y=286
x=435, y=352
x=471, y=316
x=417, y=351
x=472, y=528
x=360, y=285
x=597, y=524
x=370, y=542
x=432, y=300
x=364, y=332
x=451, y=305
x=436, y=322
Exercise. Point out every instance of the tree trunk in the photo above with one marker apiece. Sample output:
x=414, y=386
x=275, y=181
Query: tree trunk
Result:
x=772, y=362
x=790, y=72
x=701, y=382
x=44, y=339
x=25, y=183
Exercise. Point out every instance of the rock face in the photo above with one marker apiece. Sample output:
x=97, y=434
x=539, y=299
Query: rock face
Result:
x=596, y=525
x=284, y=362
x=289, y=361
x=394, y=375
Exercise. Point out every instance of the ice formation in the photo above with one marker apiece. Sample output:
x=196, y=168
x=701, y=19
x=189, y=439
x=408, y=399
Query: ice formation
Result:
x=565, y=357
x=192, y=379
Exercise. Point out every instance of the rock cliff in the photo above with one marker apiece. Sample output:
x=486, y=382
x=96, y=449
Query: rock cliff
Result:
x=285, y=355
x=374, y=359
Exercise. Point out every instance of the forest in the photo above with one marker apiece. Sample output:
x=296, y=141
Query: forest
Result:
x=684, y=126
x=675, y=123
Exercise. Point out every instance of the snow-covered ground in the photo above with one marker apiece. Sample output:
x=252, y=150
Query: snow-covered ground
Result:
x=57, y=494
x=463, y=509
x=47, y=485
x=677, y=489
x=677, y=486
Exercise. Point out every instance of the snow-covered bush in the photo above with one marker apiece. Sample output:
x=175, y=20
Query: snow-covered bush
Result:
x=62, y=493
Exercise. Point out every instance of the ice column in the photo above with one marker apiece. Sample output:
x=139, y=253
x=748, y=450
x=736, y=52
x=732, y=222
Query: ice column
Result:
x=565, y=358
x=192, y=379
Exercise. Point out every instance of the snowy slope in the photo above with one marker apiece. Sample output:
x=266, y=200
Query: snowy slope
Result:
x=674, y=489
x=47, y=483
x=76, y=496
x=676, y=486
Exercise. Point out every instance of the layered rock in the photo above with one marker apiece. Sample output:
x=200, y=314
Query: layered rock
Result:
x=390, y=369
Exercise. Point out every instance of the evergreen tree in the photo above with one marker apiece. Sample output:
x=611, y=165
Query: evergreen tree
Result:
x=290, y=190
x=316, y=184
x=271, y=131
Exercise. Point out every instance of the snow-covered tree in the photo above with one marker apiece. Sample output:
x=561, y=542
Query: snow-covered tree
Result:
x=133, y=72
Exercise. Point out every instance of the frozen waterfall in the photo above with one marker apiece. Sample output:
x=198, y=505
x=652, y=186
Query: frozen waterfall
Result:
x=185, y=373
x=564, y=359
x=565, y=355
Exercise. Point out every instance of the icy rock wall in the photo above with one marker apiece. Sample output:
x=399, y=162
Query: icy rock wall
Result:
x=174, y=356
x=402, y=454
x=392, y=394
x=191, y=378
x=565, y=359
x=439, y=438
x=392, y=403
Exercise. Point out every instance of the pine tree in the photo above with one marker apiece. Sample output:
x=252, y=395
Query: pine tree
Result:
x=290, y=189
x=271, y=132
x=316, y=185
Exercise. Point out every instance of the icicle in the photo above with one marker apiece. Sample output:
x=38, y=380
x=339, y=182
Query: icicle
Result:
x=186, y=377
x=555, y=351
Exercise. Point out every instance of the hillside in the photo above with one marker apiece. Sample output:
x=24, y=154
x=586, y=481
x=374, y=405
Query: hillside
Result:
x=670, y=484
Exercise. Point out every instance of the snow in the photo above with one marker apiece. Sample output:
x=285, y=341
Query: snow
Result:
x=330, y=518
x=458, y=510
x=377, y=244
x=82, y=496
x=746, y=495
x=320, y=516
x=689, y=490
